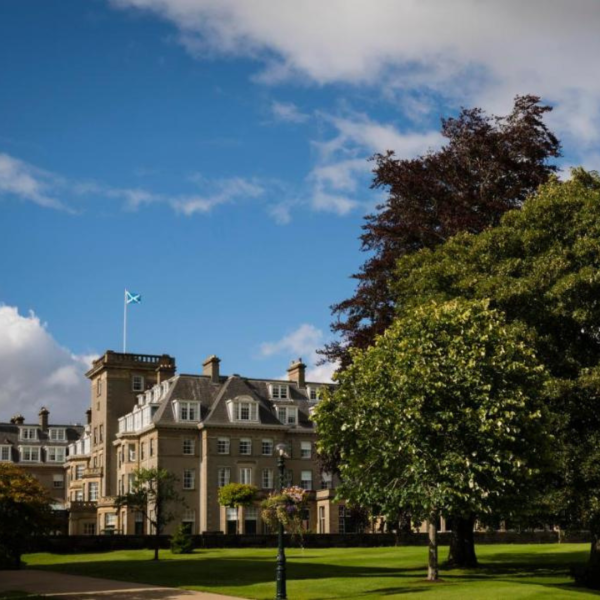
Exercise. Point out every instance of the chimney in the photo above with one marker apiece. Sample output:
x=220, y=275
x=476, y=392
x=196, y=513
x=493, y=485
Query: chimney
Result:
x=88, y=416
x=43, y=415
x=210, y=367
x=166, y=369
x=296, y=373
x=17, y=419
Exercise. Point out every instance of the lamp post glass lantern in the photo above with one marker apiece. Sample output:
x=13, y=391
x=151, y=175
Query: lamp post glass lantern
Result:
x=280, y=570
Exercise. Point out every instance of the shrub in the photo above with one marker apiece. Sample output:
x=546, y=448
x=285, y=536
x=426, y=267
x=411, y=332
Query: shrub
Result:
x=181, y=541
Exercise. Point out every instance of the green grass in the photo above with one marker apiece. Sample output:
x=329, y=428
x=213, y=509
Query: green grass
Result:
x=512, y=572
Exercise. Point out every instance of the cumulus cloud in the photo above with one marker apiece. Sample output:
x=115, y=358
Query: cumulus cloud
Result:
x=303, y=343
x=36, y=371
x=475, y=51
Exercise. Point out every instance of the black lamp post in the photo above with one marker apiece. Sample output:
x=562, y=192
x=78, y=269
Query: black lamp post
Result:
x=280, y=570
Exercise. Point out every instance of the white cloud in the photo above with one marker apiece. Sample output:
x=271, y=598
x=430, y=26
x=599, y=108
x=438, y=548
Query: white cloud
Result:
x=288, y=111
x=482, y=52
x=303, y=343
x=20, y=179
x=36, y=371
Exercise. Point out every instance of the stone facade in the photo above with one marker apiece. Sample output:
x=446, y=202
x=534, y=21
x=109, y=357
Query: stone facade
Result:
x=208, y=429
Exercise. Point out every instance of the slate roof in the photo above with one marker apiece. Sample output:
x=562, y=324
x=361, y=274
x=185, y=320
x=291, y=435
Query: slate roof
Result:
x=213, y=399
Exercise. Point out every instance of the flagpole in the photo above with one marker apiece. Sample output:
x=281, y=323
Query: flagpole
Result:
x=124, y=321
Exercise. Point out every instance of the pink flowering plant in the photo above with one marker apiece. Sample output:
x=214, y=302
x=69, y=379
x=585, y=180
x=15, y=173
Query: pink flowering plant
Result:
x=285, y=507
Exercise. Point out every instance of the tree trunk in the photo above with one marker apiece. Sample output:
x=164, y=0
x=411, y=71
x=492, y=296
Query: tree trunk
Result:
x=156, y=543
x=594, y=562
x=432, y=570
x=462, y=543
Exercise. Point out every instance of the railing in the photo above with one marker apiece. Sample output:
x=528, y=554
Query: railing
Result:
x=148, y=359
x=82, y=505
x=92, y=472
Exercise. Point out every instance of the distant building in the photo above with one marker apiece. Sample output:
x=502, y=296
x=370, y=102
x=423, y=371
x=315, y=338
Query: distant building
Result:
x=208, y=429
x=41, y=450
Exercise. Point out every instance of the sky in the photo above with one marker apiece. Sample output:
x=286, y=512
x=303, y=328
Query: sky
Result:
x=212, y=155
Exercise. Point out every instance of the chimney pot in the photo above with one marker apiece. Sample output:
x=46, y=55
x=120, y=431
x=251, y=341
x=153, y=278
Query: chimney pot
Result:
x=43, y=416
x=297, y=372
x=88, y=415
x=18, y=419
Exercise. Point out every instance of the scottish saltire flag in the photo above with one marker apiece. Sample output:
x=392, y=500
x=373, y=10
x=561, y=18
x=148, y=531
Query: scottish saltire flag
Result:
x=133, y=298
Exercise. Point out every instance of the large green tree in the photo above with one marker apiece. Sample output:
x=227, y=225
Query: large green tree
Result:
x=153, y=493
x=541, y=268
x=25, y=511
x=442, y=415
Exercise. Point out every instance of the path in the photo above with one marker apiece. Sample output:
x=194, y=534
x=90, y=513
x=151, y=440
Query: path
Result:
x=74, y=587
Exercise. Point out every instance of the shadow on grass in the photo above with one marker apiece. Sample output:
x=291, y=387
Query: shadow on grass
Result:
x=239, y=571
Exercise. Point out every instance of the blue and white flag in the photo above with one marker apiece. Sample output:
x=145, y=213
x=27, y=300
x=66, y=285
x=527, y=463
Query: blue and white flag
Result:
x=133, y=298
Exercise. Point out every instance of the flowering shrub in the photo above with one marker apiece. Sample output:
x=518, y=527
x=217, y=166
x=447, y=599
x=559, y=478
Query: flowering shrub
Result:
x=285, y=507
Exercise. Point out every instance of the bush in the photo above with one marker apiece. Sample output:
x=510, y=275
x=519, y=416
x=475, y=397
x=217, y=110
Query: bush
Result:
x=181, y=541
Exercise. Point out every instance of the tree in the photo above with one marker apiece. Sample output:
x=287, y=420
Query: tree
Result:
x=25, y=511
x=488, y=166
x=540, y=267
x=441, y=415
x=234, y=495
x=152, y=492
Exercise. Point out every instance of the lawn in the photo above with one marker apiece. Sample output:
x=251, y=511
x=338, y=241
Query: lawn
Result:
x=508, y=571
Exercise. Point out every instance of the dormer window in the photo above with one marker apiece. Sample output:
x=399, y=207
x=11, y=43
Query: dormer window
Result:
x=55, y=454
x=288, y=415
x=243, y=409
x=186, y=410
x=28, y=433
x=314, y=393
x=57, y=434
x=280, y=391
x=5, y=454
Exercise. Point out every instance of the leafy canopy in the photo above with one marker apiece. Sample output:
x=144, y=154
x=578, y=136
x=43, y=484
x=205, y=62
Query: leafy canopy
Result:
x=441, y=414
x=237, y=494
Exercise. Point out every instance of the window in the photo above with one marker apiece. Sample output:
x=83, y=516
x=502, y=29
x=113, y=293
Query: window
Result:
x=98, y=387
x=142, y=450
x=224, y=476
x=314, y=393
x=95, y=435
x=321, y=519
x=288, y=478
x=279, y=391
x=130, y=482
x=131, y=448
x=288, y=415
x=101, y=433
x=55, y=454
x=189, y=479
x=246, y=446
x=110, y=520
x=188, y=446
x=30, y=454
x=242, y=410
x=58, y=481
x=137, y=383
x=5, y=453
x=152, y=447
x=187, y=411
x=306, y=480
x=79, y=496
x=57, y=434
x=29, y=433
x=188, y=519
x=267, y=447
x=305, y=450
x=246, y=475
x=267, y=479
x=326, y=481
x=250, y=519
x=223, y=445
x=89, y=529
x=93, y=492
x=79, y=472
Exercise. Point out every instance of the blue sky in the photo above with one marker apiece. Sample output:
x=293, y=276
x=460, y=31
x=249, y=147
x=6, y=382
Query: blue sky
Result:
x=211, y=155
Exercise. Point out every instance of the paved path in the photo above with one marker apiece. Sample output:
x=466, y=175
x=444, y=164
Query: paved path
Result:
x=73, y=587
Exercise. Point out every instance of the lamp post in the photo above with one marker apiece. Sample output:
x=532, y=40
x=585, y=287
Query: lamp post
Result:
x=280, y=570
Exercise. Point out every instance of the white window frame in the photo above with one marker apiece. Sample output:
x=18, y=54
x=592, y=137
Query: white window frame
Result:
x=288, y=411
x=266, y=447
x=187, y=411
x=52, y=451
x=306, y=450
x=245, y=443
x=279, y=391
x=5, y=453
x=93, y=491
x=79, y=469
x=223, y=476
x=137, y=383
x=30, y=450
x=223, y=442
x=306, y=483
x=245, y=475
x=57, y=434
x=266, y=479
x=326, y=481
x=188, y=447
x=58, y=481
x=243, y=410
x=314, y=393
x=28, y=433
x=188, y=481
